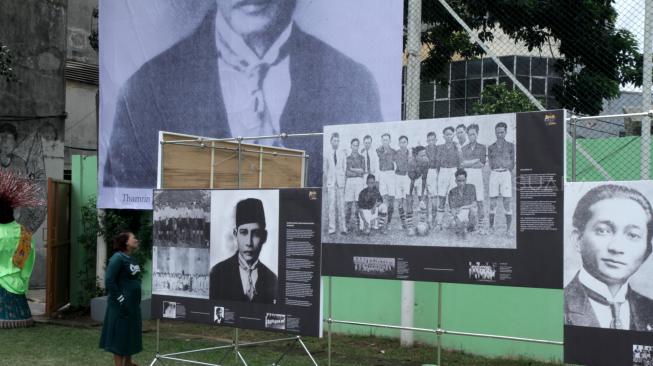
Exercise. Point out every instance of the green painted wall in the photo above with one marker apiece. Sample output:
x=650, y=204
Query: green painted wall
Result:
x=509, y=311
x=84, y=186
x=146, y=282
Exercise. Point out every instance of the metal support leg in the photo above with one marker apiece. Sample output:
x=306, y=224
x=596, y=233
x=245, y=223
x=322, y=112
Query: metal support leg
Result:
x=330, y=317
x=278, y=361
x=236, y=350
x=240, y=357
x=240, y=158
x=158, y=321
x=439, y=333
x=573, y=123
x=308, y=353
x=156, y=355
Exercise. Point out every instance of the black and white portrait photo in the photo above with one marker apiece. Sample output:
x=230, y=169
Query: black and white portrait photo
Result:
x=440, y=182
x=180, y=238
x=218, y=314
x=482, y=271
x=180, y=271
x=170, y=309
x=607, y=264
x=244, y=246
x=642, y=355
x=227, y=68
x=181, y=218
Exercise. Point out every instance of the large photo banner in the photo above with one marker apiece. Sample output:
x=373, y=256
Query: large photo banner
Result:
x=227, y=68
x=474, y=199
x=608, y=293
x=243, y=258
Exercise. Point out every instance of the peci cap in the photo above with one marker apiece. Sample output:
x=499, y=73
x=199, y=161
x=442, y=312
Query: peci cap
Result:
x=250, y=210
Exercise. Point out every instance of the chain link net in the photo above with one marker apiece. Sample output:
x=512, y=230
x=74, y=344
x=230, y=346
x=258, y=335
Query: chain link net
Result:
x=583, y=55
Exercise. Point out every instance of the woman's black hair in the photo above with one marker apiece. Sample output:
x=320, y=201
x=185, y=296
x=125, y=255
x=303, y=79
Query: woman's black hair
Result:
x=120, y=241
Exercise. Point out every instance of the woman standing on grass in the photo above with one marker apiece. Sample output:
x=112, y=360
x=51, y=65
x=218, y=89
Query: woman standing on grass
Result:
x=121, y=332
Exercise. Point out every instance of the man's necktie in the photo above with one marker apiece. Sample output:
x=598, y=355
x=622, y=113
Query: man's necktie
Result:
x=335, y=158
x=255, y=71
x=367, y=159
x=256, y=77
x=250, y=289
x=615, y=307
x=615, y=323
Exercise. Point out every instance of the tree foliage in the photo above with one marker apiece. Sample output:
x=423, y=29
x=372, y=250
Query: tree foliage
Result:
x=596, y=57
x=137, y=221
x=499, y=99
x=87, y=239
x=6, y=63
x=107, y=226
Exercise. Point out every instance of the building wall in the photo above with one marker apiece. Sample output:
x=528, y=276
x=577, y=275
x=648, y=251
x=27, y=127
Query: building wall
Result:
x=467, y=79
x=79, y=27
x=35, y=32
x=81, y=81
x=81, y=125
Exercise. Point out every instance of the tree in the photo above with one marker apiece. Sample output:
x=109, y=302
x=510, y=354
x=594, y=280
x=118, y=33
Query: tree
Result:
x=596, y=56
x=6, y=62
x=499, y=99
x=93, y=37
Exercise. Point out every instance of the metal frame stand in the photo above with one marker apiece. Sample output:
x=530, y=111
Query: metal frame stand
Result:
x=235, y=346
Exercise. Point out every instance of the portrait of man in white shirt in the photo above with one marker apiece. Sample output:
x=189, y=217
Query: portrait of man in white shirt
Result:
x=612, y=226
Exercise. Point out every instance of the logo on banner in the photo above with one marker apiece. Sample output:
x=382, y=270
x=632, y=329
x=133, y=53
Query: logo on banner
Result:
x=550, y=119
x=275, y=321
x=375, y=266
x=312, y=195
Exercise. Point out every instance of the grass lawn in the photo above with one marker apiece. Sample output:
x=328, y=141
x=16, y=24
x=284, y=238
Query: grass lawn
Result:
x=49, y=344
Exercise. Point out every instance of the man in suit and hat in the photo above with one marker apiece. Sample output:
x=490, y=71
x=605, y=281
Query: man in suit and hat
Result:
x=612, y=230
x=242, y=277
x=246, y=70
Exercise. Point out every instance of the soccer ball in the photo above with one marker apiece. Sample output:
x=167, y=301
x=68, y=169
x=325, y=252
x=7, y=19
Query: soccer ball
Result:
x=422, y=205
x=411, y=231
x=422, y=229
x=383, y=209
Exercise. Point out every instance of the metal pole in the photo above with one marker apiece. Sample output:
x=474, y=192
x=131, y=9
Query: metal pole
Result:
x=240, y=157
x=329, y=321
x=609, y=116
x=305, y=170
x=438, y=333
x=157, y=336
x=306, y=350
x=282, y=135
x=413, y=49
x=237, y=352
x=646, y=89
x=573, y=149
x=212, y=170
